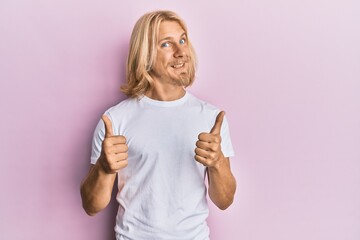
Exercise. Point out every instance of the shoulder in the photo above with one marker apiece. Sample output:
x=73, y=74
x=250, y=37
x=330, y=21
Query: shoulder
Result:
x=123, y=110
x=203, y=105
x=123, y=106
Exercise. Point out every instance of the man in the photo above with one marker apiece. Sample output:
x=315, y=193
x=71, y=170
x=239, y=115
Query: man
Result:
x=161, y=142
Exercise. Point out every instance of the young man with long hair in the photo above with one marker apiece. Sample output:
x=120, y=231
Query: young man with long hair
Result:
x=162, y=142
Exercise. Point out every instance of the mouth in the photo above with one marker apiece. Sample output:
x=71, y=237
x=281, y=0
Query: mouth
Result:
x=177, y=66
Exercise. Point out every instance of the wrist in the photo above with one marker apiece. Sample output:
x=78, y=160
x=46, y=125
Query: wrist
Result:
x=102, y=167
x=220, y=164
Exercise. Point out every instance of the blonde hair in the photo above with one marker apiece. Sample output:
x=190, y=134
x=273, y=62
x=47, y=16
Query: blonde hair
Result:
x=143, y=49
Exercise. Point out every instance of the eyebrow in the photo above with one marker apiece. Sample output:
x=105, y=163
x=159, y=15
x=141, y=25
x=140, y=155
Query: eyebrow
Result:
x=167, y=38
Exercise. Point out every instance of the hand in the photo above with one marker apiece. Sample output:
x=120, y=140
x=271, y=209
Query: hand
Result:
x=208, y=151
x=114, y=151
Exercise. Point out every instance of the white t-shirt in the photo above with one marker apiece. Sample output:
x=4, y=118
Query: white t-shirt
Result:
x=162, y=192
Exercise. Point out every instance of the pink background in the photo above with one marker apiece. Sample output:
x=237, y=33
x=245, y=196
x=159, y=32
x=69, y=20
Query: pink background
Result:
x=286, y=72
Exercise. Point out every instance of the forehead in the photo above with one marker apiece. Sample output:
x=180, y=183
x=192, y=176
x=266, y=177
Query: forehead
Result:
x=170, y=29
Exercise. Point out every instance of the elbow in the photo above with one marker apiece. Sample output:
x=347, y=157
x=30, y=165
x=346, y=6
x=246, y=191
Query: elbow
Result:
x=225, y=204
x=92, y=209
x=89, y=211
x=223, y=201
x=91, y=204
x=88, y=208
x=91, y=214
x=223, y=207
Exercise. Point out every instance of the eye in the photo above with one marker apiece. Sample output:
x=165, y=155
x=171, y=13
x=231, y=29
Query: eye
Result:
x=182, y=41
x=165, y=44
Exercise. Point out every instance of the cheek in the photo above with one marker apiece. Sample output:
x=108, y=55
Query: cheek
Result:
x=165, y=57
x=159, y=63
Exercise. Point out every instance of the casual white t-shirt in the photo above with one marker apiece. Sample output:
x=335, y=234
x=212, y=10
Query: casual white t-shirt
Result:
x=162, y=192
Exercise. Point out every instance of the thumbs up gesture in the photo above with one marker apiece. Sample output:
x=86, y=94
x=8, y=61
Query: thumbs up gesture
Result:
x=208, y=148
x=114, y=151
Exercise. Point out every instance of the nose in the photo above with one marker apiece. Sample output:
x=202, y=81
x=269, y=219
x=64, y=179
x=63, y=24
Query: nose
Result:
x=179, y=51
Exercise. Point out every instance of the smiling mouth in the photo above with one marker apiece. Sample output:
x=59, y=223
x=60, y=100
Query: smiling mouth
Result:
x=176, y=66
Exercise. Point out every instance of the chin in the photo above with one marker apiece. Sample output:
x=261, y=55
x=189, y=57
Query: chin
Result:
x=185, y=80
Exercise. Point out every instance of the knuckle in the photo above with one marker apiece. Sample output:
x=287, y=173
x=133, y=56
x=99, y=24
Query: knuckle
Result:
x=197, y=150
x=206, y=163
x=205, y=145
x=123, y=138
x=217, y=139
x=120, y=157
x=198, y=158
x=202, y=135
x=124, y=164
x=215, y=147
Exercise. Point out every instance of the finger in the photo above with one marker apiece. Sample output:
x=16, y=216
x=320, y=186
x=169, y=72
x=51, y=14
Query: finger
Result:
x=120, y=157
x=108, y=126
x=112, y=142
x=115, y=140
x=117, y=166
x=122, y=164
x=201, y=160
x=202, y=153
x=218, y=122
x=114, y=158
x=209, y=137
x=205, y=154
x=115, y=149
x=207, y=146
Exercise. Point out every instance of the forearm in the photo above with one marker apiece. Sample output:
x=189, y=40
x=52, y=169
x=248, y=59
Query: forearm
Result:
x=222, y=184
x=96, y=189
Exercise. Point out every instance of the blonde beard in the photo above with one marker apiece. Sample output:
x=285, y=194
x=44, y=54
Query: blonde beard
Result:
x=183, y=80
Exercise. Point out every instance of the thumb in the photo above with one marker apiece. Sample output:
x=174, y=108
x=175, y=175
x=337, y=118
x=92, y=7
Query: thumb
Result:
x=108, y=126
x=218, y=122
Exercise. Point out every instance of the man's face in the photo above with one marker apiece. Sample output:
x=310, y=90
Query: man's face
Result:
x=172, y=61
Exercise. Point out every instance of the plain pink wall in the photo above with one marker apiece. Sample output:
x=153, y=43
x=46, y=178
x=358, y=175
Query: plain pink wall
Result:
x=286, y=72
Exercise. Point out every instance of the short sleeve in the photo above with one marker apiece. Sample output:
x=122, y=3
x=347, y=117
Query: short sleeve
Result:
x=98, y=138
x=226, y=145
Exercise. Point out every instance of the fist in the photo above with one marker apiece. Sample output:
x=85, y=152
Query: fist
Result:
x=114, y=152
x=208, y=147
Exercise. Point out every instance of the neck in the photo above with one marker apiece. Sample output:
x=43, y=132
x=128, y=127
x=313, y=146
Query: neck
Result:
x=168, y=92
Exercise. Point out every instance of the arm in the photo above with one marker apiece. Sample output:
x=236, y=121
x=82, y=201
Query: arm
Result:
x=222, y=184
x=96, y=188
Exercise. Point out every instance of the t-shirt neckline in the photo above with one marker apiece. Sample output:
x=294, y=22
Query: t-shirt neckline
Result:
x=172, y=103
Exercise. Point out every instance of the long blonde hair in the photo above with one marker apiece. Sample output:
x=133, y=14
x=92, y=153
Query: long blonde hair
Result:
x=142, y=52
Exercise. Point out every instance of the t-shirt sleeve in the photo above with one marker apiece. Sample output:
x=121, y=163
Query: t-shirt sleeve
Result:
x=226, y=145
x=98, y=138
